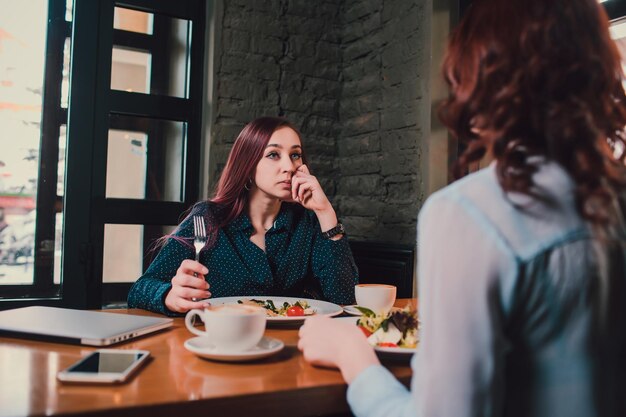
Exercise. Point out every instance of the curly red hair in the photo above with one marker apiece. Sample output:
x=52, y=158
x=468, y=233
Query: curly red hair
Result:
x=537, y=77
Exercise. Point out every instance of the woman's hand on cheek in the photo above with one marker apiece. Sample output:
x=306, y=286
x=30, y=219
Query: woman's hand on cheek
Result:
x=306, y=190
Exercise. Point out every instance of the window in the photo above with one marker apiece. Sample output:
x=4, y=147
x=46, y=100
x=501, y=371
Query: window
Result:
x=109, y=154
x=34, y=66
x=21, y=83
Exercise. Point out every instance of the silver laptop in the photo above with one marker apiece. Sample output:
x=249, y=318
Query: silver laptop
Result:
x=95, y=328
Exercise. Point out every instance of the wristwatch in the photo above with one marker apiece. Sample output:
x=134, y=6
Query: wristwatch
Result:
x=337, y=230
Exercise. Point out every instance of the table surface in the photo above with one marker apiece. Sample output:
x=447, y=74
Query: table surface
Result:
x=175, y=381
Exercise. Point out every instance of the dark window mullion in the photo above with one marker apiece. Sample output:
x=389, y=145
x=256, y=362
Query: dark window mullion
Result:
x=67, y=28
x=133, y=40
x=129, y=211
x=89, y=81
x=117, y=291
x=183, y=178
x=102, y=110
x=179, y=9
x=159, y=104
x=160, y=69
x=159, y=74
x=151, y=233
x=193, y=129
x=146, y=105
x=128, y=123
x=52, y=119
x=155, y=174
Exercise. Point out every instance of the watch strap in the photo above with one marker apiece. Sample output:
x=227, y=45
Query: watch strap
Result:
x=337, y=230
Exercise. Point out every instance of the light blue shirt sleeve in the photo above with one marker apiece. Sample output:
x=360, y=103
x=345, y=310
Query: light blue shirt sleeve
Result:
x=376, y=392
x=458, y=369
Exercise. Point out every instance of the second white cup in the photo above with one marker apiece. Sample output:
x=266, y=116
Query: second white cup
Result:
x=377, y=297
x=229, y=327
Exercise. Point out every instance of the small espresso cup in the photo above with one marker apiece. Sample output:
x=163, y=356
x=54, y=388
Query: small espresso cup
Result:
x=229, y=327
x=377, y=297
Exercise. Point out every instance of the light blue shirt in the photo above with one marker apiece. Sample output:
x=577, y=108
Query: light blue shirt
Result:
x=505, y=286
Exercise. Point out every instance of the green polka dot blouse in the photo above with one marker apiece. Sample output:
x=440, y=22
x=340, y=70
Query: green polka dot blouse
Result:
x=298, y=261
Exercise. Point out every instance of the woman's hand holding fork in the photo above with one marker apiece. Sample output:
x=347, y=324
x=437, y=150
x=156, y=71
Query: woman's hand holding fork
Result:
x=189, y=288
x=188, y=284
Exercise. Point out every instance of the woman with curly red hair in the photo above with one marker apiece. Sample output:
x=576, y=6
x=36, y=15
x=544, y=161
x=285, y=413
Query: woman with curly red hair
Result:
x=521, y=265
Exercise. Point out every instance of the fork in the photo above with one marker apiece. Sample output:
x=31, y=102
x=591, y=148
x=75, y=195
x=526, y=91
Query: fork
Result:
x=199, y=240
x=199, y=235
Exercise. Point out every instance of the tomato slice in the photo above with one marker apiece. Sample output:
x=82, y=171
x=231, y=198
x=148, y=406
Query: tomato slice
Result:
x=295, y=311
x=387, y=344
x=366, y=332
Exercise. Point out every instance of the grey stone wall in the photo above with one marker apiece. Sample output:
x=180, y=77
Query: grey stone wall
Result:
x=279, y=58
x=350, y=73
x=378, y=153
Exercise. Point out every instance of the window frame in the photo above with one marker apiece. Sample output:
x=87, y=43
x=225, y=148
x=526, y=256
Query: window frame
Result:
x=86, y=209
x=48, y=203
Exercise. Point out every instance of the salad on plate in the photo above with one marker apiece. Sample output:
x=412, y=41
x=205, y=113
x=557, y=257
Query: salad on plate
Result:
x=286, y=309
x=396, y=329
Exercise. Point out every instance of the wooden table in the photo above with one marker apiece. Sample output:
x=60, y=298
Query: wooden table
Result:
x=175, y=382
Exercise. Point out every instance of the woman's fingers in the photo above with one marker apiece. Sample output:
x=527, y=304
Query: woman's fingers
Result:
x=191, y=293
x=296, y=183
x=314, y=343
x=184, y=305
x=190, y=266
x=306, y=190
x=299, y=185
x=191, y=281
x=305, y=199
x=304, y=169
x=188, y=286
x=182, y=298
x=303, y=189
x=331, y=343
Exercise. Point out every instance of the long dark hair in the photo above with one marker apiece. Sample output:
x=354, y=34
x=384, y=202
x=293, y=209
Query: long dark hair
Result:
x=543, y=78
x=231, y=193
x=537, y=77
x=232, y=190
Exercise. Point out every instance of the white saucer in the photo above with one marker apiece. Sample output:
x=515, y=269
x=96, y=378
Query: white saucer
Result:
x=352, y=310
x=201, y=347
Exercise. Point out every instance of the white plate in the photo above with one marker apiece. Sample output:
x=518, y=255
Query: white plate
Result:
x=398, y=352
x=321, y=308
x=203, y=348
x=353, y=311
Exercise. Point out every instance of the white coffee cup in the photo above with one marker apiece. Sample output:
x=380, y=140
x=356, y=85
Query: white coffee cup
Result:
x=229, y=327
x=377, y=297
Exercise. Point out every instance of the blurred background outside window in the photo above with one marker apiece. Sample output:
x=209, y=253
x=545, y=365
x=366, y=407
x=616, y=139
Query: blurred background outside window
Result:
x=23, y=27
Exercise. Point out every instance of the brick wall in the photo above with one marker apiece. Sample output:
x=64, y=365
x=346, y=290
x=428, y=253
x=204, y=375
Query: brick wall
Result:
x=378, y=153
x=279, y=57
x=351, y=74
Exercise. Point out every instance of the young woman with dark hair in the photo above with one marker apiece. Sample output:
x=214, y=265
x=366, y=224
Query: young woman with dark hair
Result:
x=521, y=265
x=271, y=231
